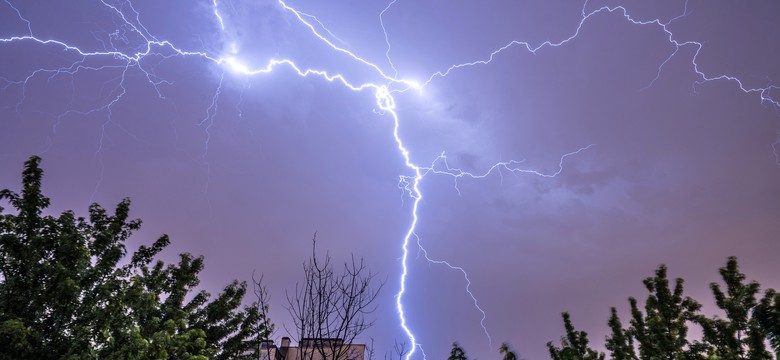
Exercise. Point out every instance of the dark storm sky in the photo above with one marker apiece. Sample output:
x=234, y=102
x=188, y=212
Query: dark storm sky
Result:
x=244, y=169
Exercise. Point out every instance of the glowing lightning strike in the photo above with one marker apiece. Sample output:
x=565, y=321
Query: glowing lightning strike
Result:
x=150, y=46
x=387, y=39
x=468, y=285
x=299, y=15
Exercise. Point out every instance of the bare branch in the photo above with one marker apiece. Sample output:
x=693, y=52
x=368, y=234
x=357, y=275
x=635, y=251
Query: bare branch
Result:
x=332, y=307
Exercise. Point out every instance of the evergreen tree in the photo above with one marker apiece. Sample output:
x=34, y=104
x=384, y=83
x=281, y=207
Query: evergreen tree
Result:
x=574, y=346
x=64, y=292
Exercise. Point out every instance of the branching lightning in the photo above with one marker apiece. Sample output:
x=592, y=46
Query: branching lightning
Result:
x=148, y=46
x=387, y=38
x=468, y=285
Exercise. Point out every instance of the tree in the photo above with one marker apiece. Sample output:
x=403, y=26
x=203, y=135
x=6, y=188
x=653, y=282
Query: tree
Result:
x=457, y=353
x=738, y=336
x=767, y=315
x=620, y=343
x=506, y=354
x=67, y=292
x=262, y=330
x=330, y=309
x=574, y=346
x=399, y=350
x=662, y=330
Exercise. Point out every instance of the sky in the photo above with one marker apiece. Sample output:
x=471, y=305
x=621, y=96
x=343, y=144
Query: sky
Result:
x=514, y=159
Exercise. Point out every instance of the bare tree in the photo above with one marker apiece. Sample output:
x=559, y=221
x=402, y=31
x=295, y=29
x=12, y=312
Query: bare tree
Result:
x=329, y=309
x=400, y=351
x=262, y=334
x=370, y=350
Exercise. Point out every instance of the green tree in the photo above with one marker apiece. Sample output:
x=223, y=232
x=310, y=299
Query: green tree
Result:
x=506, y=354
x=738, y=336
x=574, y=346
x=457, y=353
x=662, y=330
x=66, y=290
x=767, y=314
x=620, y=343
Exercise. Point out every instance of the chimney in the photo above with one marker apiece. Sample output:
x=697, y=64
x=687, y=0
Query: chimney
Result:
x=285, y=342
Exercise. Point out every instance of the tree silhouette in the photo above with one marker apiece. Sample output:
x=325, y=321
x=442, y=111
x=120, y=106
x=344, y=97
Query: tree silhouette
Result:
x=68, y=291
x=661, y=331
x=767, y=314
x=331, y=309
x=457, y=353
x=738, y=336
x=506, y=354
x=574, y=346
x=620, y=343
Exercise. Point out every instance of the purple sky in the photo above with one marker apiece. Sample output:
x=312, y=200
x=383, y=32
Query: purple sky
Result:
x=245, y=168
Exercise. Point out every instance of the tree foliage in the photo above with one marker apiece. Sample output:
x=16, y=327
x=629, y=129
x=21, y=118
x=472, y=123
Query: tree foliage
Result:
x=660, y=329
x=620, y=343
x=738, y=336
x=574, y=346
x=68, y=290
x=767, y=315
x=506, y=354
x=457, y=353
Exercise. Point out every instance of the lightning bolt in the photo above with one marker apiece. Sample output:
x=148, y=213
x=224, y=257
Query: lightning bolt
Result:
x=387, y=37
x=468, y=285
x=132, y=48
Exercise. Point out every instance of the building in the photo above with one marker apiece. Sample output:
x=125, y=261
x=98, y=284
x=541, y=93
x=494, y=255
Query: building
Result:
x=312, y=349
